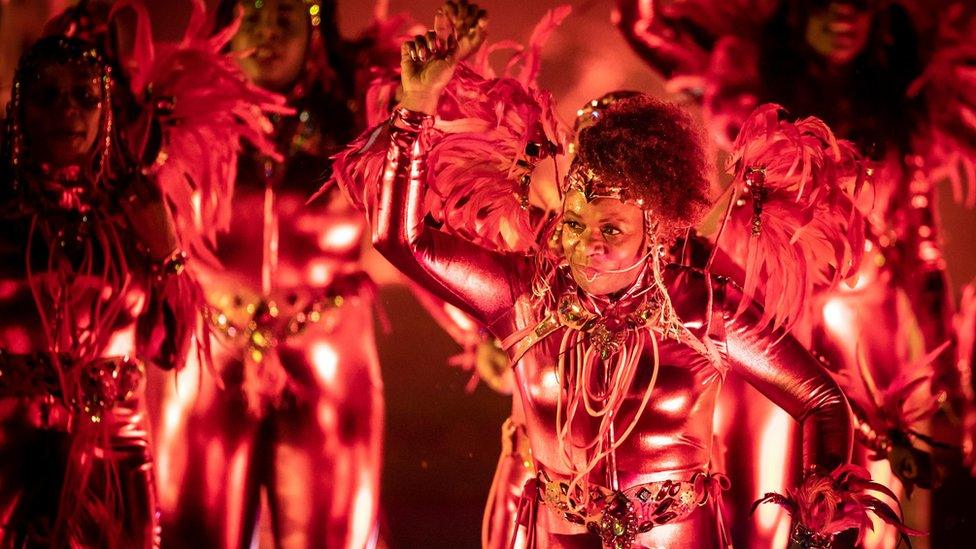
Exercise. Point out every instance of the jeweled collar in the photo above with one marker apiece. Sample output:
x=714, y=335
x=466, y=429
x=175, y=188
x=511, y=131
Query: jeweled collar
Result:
x=608, y=319
x=63, y=190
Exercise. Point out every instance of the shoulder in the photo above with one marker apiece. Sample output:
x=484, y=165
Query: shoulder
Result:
x=695, y=293
x=694, y=279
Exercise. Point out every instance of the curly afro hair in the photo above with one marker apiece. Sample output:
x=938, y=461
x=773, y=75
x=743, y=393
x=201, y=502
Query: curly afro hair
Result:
x=654, y=152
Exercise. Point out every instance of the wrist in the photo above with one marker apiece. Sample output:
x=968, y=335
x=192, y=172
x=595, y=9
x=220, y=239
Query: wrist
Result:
x=421, y=102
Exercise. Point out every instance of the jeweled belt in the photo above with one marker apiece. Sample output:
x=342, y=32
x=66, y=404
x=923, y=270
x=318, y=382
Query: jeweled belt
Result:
x=98, y=385
x=266, y=327
x=619, y=516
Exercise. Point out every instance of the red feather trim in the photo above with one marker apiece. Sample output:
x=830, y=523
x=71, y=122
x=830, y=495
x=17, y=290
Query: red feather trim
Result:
x=205, y=107
x=793, y=225
x=823, y=505
x=478, y=167
x=907, y=400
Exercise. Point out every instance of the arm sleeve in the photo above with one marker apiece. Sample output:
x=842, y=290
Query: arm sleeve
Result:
x=482, y=283
x=779, y=367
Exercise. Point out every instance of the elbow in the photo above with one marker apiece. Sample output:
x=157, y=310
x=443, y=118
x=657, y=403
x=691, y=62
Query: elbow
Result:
x=835, y=408
x=388, y=245
x=829, y=416
x=382, y=242
x=384, y=231
x=828, y=403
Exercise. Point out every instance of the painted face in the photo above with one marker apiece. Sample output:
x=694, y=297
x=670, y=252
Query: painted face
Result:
x=275, y=33
x=62, y=110
x=839, y=31
x=603, y=241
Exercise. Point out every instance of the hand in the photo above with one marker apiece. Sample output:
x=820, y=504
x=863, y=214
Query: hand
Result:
x=466, y=21
x=427, y=64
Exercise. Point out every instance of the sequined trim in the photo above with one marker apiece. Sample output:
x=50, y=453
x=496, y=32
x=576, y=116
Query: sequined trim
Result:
x=100, y=384
x=618, y=517
x=266, y=328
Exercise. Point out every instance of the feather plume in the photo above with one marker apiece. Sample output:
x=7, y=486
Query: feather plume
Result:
x=487, y=137
x=824, y=505
x=204, y=107
x=792, y=224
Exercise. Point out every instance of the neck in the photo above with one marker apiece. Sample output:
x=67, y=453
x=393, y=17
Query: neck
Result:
x=61, y=187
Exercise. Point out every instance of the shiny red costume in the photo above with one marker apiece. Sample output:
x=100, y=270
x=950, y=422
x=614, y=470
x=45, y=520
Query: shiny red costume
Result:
x=85, y=310
x=666, y=456
x=297, y=410
x=722, y=54
x=93, y=304
x=51, y=428
x=293, y=407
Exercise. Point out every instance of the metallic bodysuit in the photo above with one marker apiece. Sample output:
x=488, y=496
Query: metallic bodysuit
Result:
x=297, y=411
x=672, y=439
x=42, y=431
x=900, y=306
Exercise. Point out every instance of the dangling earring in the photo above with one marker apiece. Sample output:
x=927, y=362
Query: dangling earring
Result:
x=16, y=135
x=100, y=164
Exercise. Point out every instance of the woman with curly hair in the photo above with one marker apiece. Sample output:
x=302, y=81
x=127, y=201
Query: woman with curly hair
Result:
x=619, y=352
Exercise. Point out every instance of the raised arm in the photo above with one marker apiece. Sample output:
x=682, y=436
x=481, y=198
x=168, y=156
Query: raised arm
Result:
x=780, y=368
x=480, y=282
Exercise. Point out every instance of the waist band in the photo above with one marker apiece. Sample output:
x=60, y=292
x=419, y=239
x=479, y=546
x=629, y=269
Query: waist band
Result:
x=267, y=324
x=93, y=387
x=619, y=516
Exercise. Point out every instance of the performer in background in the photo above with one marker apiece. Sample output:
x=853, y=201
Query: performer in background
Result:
x=101, y=253
x=899, y=91
x=96, y=281
x=293, y=408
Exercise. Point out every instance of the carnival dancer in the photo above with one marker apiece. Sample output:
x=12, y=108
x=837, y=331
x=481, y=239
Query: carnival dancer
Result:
x=97, y=284
x=495, y=145
x=73, y=365
x=618, y=354
x=293, y=408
